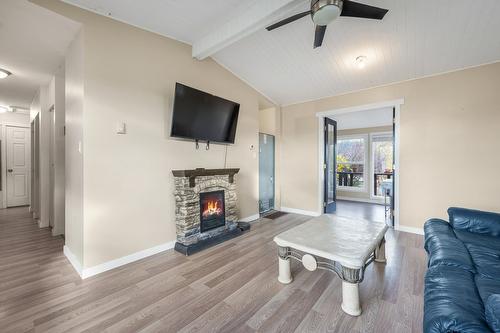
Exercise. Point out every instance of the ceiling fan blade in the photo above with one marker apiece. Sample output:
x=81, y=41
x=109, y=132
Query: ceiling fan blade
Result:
x=319, y=35
x=288, y=20
x=356, y=9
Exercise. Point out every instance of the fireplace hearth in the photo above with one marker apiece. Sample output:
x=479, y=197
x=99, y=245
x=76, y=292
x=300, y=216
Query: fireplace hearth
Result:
x=205, y=208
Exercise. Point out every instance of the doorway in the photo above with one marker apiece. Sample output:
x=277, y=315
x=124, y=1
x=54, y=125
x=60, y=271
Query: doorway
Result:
x=352, y=175
x=266, y=172
x=18, y=165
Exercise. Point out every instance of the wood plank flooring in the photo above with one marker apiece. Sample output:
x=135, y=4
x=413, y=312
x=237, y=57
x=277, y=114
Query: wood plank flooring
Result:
x=232, y=287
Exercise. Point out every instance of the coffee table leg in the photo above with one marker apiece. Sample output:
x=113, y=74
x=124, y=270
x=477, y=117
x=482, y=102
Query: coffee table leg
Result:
x=350, y=298
x=380, y=252
x=285, y=274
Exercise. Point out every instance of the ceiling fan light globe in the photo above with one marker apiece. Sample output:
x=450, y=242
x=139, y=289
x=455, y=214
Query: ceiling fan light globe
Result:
x=4, y=73
x=326, y=15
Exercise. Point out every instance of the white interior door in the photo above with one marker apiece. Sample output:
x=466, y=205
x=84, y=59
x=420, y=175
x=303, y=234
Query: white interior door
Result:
x=18, y=166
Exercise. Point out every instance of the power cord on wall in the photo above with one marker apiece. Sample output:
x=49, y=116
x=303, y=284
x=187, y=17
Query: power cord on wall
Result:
x=225, y=158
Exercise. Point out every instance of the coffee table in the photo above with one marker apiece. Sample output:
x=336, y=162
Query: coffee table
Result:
x=345, y=246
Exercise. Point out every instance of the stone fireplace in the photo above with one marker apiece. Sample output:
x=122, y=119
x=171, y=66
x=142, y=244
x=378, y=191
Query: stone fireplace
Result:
x=205, y=208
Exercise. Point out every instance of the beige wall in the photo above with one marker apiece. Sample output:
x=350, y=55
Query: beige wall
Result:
x=59, y=155
x=269, y=121
x=450, y=138
x=40, y=106
x=129, y=76
x=73, y=158
x=363, y=195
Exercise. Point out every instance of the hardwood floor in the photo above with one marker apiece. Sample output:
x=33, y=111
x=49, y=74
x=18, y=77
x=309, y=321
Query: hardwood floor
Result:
x=232, y=287
x=363, y=210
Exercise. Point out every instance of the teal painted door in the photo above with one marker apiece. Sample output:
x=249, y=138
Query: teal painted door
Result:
x=266, y=172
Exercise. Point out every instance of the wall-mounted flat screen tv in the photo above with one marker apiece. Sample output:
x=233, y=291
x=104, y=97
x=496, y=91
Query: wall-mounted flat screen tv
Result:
x=200, y=116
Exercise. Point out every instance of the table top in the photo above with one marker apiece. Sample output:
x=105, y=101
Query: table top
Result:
x=349, y=241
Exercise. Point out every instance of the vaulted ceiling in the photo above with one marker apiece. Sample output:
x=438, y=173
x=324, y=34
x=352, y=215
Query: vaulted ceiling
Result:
x=417, y=38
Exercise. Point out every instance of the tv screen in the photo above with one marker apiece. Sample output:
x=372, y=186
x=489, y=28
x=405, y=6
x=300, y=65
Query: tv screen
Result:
x=200, y=116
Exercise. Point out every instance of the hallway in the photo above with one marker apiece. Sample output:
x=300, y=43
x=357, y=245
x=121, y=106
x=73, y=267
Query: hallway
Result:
x=32, y=264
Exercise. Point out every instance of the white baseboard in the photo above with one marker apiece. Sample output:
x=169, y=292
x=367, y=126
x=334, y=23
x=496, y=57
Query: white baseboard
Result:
x=250, y=218
x=73, y=261
x=109, y=265
x=299, y=211
x=412, y=230
x=373, y=201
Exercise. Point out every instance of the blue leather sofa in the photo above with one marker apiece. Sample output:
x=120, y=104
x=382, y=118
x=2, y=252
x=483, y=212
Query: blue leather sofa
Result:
x=462, y=284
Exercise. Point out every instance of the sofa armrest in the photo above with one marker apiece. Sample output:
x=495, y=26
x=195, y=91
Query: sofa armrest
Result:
x=475, y=221
x=444, y=248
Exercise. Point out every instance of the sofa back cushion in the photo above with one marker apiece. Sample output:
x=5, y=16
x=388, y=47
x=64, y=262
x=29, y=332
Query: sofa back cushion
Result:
x=475, y=221
x=493, y=312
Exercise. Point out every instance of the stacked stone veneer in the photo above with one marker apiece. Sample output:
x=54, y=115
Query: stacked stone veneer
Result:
x=187, y=206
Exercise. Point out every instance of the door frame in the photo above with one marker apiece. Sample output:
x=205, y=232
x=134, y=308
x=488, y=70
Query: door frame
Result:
x=396, y=104
x=3, y=127
x=328, y=121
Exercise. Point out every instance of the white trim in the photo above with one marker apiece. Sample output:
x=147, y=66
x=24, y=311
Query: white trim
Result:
x=109, y=265
x=299, y=211
x=372, y=160
x=412, y=230
x=250, y=218
x=365, y=200
x=73, y=260
x=321, y=115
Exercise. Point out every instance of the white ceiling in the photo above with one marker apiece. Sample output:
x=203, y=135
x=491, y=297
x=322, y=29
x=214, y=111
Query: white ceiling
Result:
x=33, y=42
x=364, y=119
x=417, y=38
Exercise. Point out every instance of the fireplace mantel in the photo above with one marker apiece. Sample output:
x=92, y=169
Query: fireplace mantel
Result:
x=192, y=174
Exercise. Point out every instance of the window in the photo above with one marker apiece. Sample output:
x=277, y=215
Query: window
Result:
x=382, y=160
x=351, y=152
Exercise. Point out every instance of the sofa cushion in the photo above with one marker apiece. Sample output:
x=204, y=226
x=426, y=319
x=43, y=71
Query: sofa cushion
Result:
x=452, y=303
x=486, y=261
x=478, y=239
x=487, y=286
x=444, y=248
x=475, y=221
x=493, y=312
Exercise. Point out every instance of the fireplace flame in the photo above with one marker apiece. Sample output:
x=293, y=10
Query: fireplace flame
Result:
x=212, y=208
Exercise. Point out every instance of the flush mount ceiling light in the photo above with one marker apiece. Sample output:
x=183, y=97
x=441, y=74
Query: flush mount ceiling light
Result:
x=4, y=73
x=4, y=109
x=361, y=62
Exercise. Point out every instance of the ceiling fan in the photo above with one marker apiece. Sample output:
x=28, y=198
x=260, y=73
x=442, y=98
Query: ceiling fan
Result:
x=324, y=12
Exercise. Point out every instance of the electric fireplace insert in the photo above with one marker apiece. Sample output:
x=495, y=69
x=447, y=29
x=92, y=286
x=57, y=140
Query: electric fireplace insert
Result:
x=212, y=210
